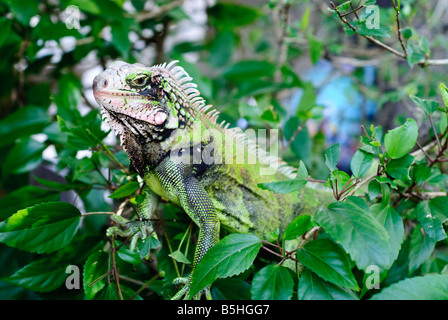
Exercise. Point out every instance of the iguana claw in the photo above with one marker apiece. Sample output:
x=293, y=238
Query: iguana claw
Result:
x=185, y=291
x=136, y=229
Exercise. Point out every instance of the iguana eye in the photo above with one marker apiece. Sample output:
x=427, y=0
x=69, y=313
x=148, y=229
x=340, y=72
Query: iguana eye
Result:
x=140, y=80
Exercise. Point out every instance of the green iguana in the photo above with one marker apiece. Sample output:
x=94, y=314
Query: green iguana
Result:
x=173, y=141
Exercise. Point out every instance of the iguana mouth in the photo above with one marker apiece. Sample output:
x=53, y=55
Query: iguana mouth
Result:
x=142, y=109
x=117, y=93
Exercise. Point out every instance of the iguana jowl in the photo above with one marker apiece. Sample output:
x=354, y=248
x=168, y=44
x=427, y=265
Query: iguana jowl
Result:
x=157, y=111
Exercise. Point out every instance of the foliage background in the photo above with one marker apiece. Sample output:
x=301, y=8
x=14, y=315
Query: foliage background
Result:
x=265, y=64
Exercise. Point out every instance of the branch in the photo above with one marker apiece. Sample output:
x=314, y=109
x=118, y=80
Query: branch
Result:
x=370, y=38
x=403, y=55
x=282, y=43
x=152, y=14
x=400, y=36
x=359, y=185
x=294, y=135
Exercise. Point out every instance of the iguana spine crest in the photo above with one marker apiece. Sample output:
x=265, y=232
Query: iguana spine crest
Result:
x=198, y=104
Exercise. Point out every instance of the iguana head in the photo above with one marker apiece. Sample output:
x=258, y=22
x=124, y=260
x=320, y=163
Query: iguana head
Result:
x=140, y=100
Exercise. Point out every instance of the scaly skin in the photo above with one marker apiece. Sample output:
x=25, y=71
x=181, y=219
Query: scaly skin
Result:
x=174, y=142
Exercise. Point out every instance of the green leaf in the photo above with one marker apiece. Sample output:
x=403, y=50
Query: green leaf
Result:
x=407, y=32
x=44, y=228
x=270, y=115
x=361, y=163
x=120, y=37
x=328, y=261
x=305, y=18
x=43, y=275
x=288, y=186
x=230, y=289
x=308, y=100
x=230, y=15
x=96, y=266
x=430, y=222
x=332, y=156
x=221, y=48
x=283, y=187
x=179, y=257
x=421, y=248
x=387, y=216
x=257, y=86
x=272, y=282
x=68, y=98
x=374, y=189
x=125, y=190
x=315, y=49
x=401, y=140
x=85, y=135
x=399, y=168
x=351, y=225
x=110, y=292
x=373, y=32
x=312, y=287
x=428, y=106
x=57, y=185
x=302, y=144
x=23, y=157
x=437, y=206
x=427, y=287
x=424, y=45
x=415, y=54
x=232, y=255
x=5, y=26
x=298, y=227
x=24, y=197
x=24, y=10
x=249, y=69
x=129, y=256
x=23, y=122
x=444, y=92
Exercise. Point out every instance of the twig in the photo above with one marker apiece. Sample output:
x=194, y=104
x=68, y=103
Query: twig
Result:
x=425, y=195
x=400, y=36
x=423, y=150
x=435, y=133
x=97, y=212
x=353, y=11
x=99, y=278
x=358, y=186
x=152, y=14
x=307, y=236
x=146, y=284
x=294, y=135
x=316, y=180
x=365, y=132
x=115, y=269
x=282, y=43
x=273, y=252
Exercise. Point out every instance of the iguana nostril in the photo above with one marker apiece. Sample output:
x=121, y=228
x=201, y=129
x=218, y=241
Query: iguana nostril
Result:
x=105, y=83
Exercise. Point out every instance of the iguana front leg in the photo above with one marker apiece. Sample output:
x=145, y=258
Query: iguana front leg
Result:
x=141, y=227
x=178, y=179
